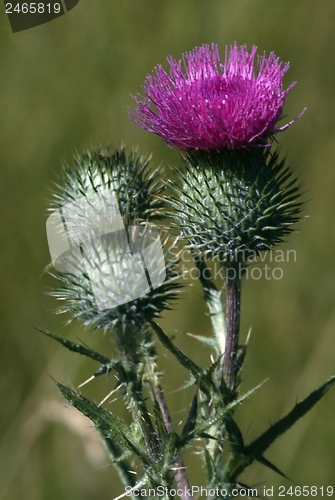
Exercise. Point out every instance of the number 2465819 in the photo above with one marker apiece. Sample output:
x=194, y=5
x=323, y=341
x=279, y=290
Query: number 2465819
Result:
x=33, y=8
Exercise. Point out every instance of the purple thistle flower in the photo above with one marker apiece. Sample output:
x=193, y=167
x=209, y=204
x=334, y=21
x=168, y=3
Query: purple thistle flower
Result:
x=211, y=105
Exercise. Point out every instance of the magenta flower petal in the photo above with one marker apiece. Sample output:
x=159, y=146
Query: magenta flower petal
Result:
x=204, y=104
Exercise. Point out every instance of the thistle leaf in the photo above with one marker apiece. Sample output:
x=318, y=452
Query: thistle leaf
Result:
x=80, y=349
x=192, y=367
x=259, y=445
x=109, y=424
x=245, y=455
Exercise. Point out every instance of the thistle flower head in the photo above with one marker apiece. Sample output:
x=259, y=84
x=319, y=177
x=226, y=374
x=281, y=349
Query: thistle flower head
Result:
x=234, y=205
x=206, y=104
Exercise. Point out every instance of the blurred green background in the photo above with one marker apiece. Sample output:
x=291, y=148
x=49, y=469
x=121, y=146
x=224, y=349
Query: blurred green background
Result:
x=66, y=85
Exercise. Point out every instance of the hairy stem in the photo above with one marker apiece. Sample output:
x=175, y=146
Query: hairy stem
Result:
x=181, y=476
x=233, y=307
x=129, y=341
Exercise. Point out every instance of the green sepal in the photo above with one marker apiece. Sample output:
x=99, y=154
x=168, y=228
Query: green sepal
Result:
x=138, y=192
x=137, y=187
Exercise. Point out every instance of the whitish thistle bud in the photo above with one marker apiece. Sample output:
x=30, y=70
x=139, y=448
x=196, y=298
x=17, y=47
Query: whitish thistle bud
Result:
x=108, y=255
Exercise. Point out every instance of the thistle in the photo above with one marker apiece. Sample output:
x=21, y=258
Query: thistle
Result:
x=232, y=198
x=235, y=198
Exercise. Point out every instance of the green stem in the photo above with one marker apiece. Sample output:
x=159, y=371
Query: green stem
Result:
x=214, y=303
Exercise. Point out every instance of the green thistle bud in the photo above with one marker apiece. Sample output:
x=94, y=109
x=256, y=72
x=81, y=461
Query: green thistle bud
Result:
x=233, y=205
x=128, y=175
x=102, y=282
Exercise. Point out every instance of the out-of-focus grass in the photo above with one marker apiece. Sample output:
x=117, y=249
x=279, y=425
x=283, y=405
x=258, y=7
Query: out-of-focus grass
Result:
x=66, y=85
